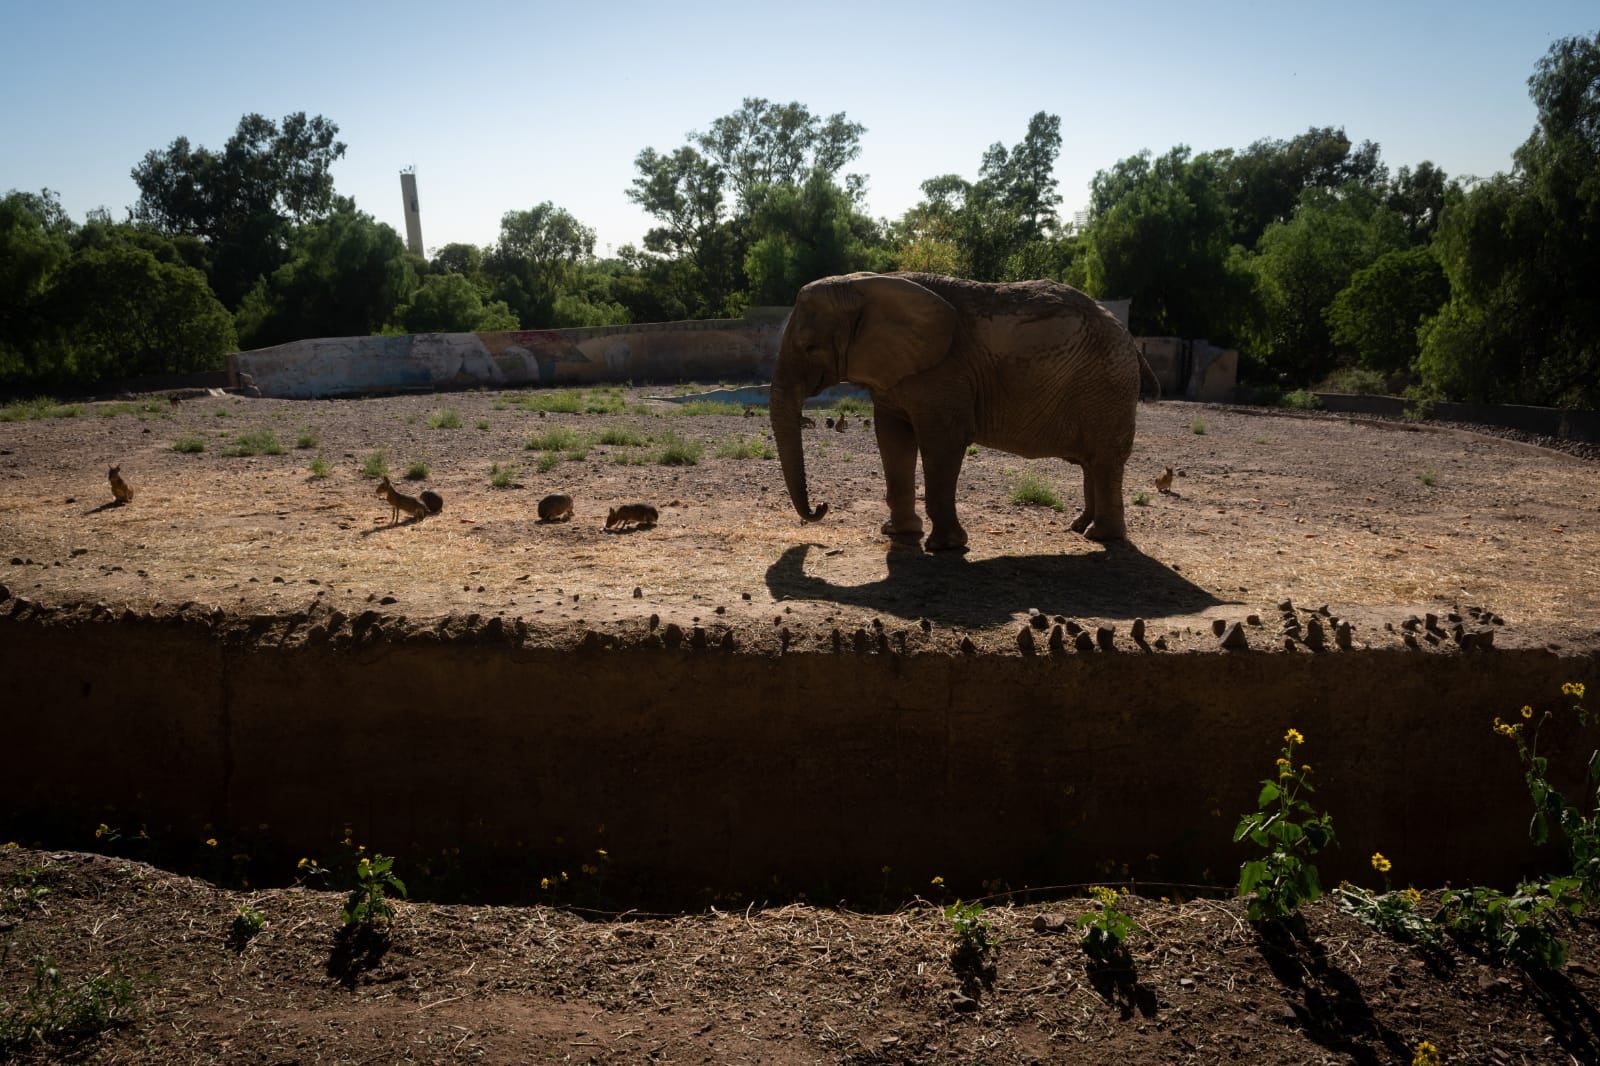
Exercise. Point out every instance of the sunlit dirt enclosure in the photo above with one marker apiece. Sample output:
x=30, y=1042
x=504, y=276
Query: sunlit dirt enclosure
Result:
x=797, y=726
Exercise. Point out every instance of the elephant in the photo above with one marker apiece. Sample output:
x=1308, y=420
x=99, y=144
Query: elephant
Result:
x=1034, y=368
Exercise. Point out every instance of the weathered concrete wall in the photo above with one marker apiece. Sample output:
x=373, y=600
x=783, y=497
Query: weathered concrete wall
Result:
x=663, y=351
x=1192, y=370
x=729, y=770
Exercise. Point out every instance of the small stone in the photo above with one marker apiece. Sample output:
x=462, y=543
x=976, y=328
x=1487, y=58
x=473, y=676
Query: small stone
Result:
x=79, y=551
x=963, y=1003
x=1315, y=637
x=697, y=638
x=729, y=643
x=1218, y=625
x=638, y=593
x=926, y=625
x=1038, y=621
x=1105, y=637
x=744, y=595
x=1252, y=620
x=1493, y=984
x=1431, y=620
x=1058, y=643
x=1411, y=623
x=1286, y=606
x=967, y=647
x=1073, y=628
x=672, y=636
x=837, y=639
x=1083, y=642
x=1324, y=611
x=862, y=645
x=721, y=609
x=1136, y=631
x=388, y=600
x=1186, y=982
x=1160, y=644
x=1234, y=639
x=655, y=620
x=1343, y=636
x=1411, y=641
x=1025, y=641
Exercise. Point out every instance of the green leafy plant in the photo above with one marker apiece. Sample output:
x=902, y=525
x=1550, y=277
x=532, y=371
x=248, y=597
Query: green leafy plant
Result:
x=1520, y=928
x=1301, y=400
x=51, y=1012
x=1198, y=426
x=1290, y=831
x=1141, y=499
x=554, y=439
x=851, y=405
x=1107, y=928
x=189, y=444
x=1429, y=477
x=375, y=465
x=619, y=437
x=255, y=442
x=972, y=449
x=972, y=955
x=416, y=472
x=548, y=462
x=1580, y=827
x=745, y=449
x=368, y=903
x=502, y=477
x=483, y=424
x=1389, y=911
x=706, y=407
x=678, y=450
x=444, y=418
x=247, y=922
x=1030, y=488
x=320, y=467
x=308, y=438
x=37, y=408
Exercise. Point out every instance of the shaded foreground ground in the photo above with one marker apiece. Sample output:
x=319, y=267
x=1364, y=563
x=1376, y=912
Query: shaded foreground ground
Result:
x=794, y=984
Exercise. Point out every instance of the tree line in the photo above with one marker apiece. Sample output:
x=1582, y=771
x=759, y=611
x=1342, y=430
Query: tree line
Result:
x=1307, y=254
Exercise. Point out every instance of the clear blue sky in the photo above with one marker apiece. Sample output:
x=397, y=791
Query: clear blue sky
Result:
x=500, y=106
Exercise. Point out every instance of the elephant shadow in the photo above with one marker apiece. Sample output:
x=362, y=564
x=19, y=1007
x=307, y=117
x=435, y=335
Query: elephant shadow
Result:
x=1116, y=581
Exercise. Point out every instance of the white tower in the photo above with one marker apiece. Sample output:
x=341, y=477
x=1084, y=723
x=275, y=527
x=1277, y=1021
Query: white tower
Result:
x=408, y=192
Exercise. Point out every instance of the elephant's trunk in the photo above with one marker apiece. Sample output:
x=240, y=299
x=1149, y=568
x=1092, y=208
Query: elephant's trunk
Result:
x=784, y=402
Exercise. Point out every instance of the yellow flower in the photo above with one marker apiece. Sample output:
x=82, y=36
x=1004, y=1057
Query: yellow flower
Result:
x=1293, y=737
x=211, y=842
x=1106, y=896
x=302, y=864
x=10, y=845
x=1283, y=763
x=602, y=853
x=1576, y=687
x=1527, y=712
x=1427, y=1055
x=544, y=883
x=365, y=863
x=1505, y=729
x=1381, y=864
x=101, y=830
x=937, y=882
x=1412, y=895
x=563, y=875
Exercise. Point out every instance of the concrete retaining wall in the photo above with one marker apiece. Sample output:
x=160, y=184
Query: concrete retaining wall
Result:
x=1544, y=421
x=663, y=351
x=713, y=769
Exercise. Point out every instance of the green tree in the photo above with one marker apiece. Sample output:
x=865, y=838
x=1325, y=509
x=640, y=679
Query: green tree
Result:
x=1377, y=314
x=243, y=199
x=1302, y=264
x=1159, y=235
x=1418, y=197
x=1521, y=252
x=344, y=276
x=35, y=240
x=119, y=310
x=1263, y=183
x=984, y=226
x=540, y=257
x=450, y=303
x=806, y=232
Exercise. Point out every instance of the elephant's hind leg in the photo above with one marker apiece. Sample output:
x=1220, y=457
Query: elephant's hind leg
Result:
x=941, y=468
x=1103, y=517
x=897, y=447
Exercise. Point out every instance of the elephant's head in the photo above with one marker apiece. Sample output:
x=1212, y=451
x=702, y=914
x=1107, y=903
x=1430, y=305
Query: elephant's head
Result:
x=868, y=329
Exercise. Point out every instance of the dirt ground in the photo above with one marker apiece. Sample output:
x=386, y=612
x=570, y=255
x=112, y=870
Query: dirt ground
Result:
x=787, y=985
x=1378, y=521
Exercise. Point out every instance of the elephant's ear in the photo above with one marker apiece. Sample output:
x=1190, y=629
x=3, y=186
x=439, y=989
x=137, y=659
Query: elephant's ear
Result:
x=902, y=329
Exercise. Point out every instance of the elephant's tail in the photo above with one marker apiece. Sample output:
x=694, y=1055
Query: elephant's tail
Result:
x=1149, y=384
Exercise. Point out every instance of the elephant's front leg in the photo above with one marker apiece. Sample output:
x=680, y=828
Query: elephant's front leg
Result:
x=897, y=446
x=941, y=467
